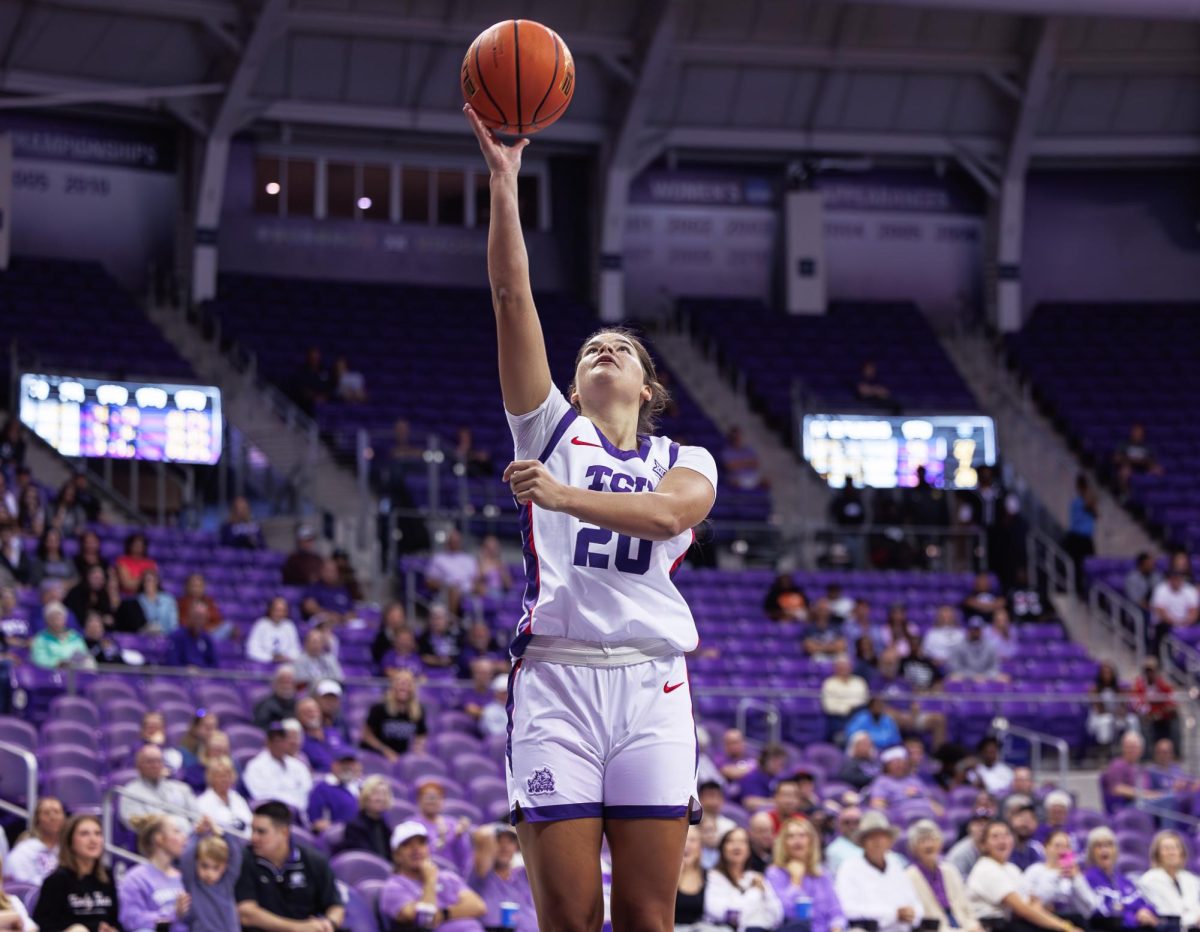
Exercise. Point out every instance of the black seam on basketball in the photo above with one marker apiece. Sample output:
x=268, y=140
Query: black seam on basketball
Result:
x=483, y=85
x=556, y=110
x=517, y=72
x=553, y=80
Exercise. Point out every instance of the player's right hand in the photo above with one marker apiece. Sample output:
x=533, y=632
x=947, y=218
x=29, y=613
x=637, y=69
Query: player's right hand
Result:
x=501, y=159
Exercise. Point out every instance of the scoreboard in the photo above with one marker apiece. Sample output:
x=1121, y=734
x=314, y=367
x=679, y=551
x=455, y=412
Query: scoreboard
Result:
x=124, y=420
x=884, y=452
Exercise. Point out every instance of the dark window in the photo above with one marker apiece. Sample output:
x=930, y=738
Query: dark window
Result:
x=528, y=194
x=339, y=190
x=301, y=186
x=483, y=200
x=414, y=194
x=376, y=198
x=451, y=205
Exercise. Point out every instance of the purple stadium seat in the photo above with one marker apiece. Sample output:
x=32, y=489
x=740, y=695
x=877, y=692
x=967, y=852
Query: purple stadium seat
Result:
x=1133, y=820
x=124, y=710
x=78, y=789
x=453, y=720
x=57, y=756
x=353, y=867
x=401, y=811
x=18, y=732
x=470, y=765
x=330, y=840
x=70, y=732
x=75, y=709
x=484, y=791
x=450, y=744
x=412, y=767
x=460, y=808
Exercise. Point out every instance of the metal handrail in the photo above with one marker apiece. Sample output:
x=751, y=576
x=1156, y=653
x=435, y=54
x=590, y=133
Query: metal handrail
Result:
x=1037, y=740
x=31, y=782
x=1045, y=554
x=769, y=709
x=1113, y=610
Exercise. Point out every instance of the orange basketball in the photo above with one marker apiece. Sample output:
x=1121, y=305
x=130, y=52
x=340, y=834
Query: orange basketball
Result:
x=519, y=76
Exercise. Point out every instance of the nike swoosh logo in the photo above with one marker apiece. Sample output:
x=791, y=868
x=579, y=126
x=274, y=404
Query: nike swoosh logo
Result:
x=584, y=443
x=667, y=688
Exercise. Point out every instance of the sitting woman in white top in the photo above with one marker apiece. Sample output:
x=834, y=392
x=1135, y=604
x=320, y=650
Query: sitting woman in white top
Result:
x=994, y=889
x=1058, y=883
x=735, y=896
x=875, y=887
x=1169, y=887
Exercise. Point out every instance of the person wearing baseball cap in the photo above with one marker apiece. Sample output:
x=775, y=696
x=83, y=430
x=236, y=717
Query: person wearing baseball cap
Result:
x=499, y=880
x=421, y=895
x=329, y=697
x=875, y=886
x=897, y=783
x=335, y=799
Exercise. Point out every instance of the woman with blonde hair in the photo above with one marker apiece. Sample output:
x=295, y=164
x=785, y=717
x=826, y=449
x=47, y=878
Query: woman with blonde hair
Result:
x=994, y=888
x=397, y=724
x=35, y=855
x=152, y=894
x=222, y=803
x=689, y=893
x=939, y=885
x=1169, y=886
x=798, y=880
x=367, y=831
x=13, y=915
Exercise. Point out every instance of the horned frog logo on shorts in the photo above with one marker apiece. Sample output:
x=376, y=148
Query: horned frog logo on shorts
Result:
x=541, y=782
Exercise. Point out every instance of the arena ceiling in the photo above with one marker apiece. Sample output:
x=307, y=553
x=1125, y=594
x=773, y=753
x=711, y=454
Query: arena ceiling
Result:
x=966, y=79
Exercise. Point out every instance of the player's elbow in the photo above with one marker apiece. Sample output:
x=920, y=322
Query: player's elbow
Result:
x=666, y=526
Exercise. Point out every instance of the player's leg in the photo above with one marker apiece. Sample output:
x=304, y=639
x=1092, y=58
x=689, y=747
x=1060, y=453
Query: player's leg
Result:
x=562, y=860
x=646, y=854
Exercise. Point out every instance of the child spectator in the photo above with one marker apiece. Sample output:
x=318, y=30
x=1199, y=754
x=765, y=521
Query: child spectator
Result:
x=210, y=869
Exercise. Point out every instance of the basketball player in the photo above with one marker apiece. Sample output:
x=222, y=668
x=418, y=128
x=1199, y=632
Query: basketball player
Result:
x=602, y=739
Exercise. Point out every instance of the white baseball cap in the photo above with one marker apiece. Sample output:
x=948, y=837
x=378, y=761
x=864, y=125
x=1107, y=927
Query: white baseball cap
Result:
x=406, y=831
x=329, y=688
x=500, y=683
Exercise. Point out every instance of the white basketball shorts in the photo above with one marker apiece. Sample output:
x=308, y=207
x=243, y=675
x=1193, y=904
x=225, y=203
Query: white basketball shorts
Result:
x=601, y=742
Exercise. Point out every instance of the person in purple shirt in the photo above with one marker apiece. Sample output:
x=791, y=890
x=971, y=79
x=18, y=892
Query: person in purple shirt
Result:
x=151, y=895
x=419, y=894
x=897, y=782
x=497, y=880
x=189, y=645
x=1125, y=779
x=758, y=788
x=735, y=763
x=404, y=655
x=478, y=696
x=334, y=800
x=1120, y=902
x=449, y=839
x=795, y=874
x=327, y=596
x=319, y=746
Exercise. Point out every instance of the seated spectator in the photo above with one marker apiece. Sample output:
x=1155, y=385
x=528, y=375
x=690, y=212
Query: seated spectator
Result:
x=1134, y=457
x=420, y=894
x=869, y=388
x=1109, y=714
x=877, y=722
x=479, y=641
x=1126, y=780
x=735, y=762
x=982, y=600
x=941, y=640
x=79, y=894
x=190, y=645
x=396, y=724
x=1057, y=809
x=334, y=800
x=494, y=719
x=1120, y=903
x=152, y=612
x=56, y=645
x=90, y=594
x=795, y=797
x=449, y=839
x=469, y=458
x=35, y=855
x=303, y=565
x=312, y=383
x=938, y=884
x=13, y=914
x=317, y=745
x=740, y=462
x=875, y=887
x=842, y=693
x=210, y=867
x=328, y=694
x=240, y=530
x=823, y=638
x=203, y=726
x=274, y=773
x=349, y=385
x=693, y=879
x=497, y=877
x=317, y=661
x=89, y=554
x=280, y=702
x=860, y=767
x=975, y=658
x=133, y=563
x=452, y=572
x=220, y=802
x=897, y=782
x=994, y=887
x=758, y=786
x=16, y=566
x=12, y=443
x=712, y=800
x=734, y=894
x=1174, y=603
x=393, y=620
x=327, y=597
x=1142, y=580
x=1057, y=883
x=795, y=874
x=896, y=632
x=152, y=895
x=1153, y=701
x=761, y=831
x=1001, y=636
x=273, y=638
x=920, y=673
x=404, y=655
x=494, y=579
x=991, y=772
x=965, y=852
x=438, y=644
x=1021, y=815
x=479, y=694
x=52, y=563
x=367, y=830
x=785, y=601
x=1169, y=887
x=843, y=844
x=264, y=899
x=151, y=792
x=14, y=621
x=1022, y=790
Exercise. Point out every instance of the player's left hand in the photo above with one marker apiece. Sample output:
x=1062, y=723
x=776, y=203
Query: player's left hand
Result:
x=531, y=481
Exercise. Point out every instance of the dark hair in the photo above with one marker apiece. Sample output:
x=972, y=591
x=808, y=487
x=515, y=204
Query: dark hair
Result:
x=992, y=823
x=722, y=862
x=659, y=396
x=987, y=740
x=279, y=814
x=142, y=582
x=41, y=547
x=769, y=751
x=1143, y=555
x=1112, y=673
x=1054, y=832
x=710, y=785
x=137, y=535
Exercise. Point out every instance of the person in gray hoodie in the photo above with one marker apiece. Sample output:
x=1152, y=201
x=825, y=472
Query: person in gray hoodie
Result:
x=210, y=866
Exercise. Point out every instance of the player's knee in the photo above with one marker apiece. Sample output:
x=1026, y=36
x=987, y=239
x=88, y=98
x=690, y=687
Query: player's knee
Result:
x=566, y=914
x=641, y=917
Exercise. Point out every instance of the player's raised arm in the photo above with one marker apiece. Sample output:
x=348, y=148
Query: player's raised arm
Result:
x=524, y=371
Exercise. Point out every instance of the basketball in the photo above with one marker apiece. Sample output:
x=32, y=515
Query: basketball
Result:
x=518, y=76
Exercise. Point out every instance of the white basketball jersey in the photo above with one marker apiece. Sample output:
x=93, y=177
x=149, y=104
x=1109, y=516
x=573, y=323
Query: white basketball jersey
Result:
x=589, y=583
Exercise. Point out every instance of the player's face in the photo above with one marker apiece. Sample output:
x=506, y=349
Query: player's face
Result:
x=609, y=368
